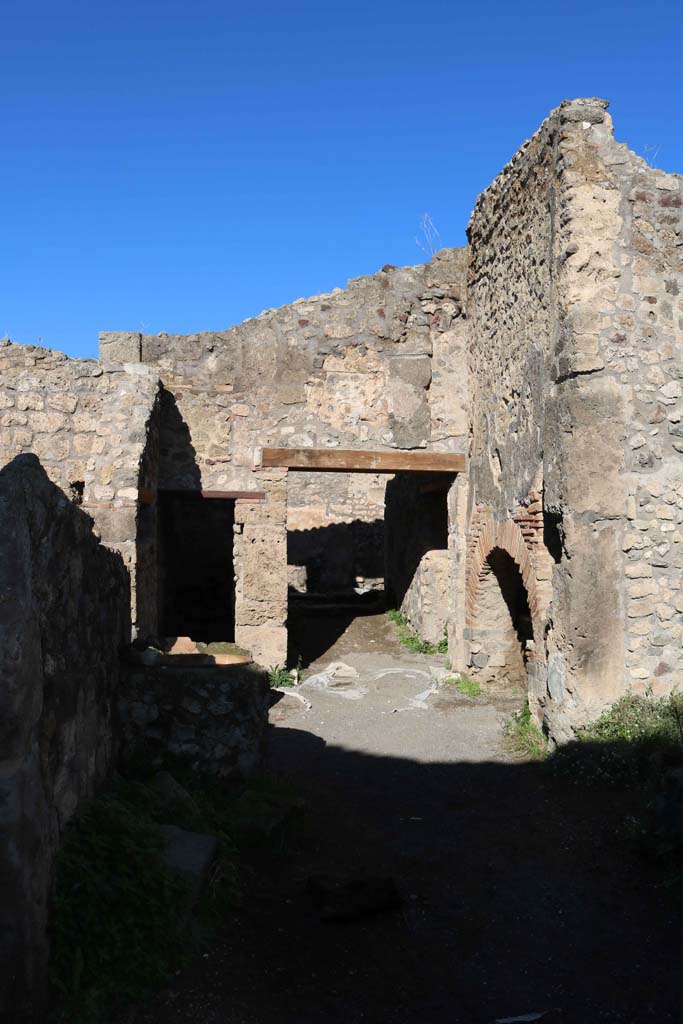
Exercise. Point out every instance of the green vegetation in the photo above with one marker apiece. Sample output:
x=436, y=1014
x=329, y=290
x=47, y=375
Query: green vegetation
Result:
x=121, y=922
x=631, y=740
x=397, y=617
x=279, y=676
x=469, y=687
x=523, y=736
x=117, y=917
x=409, y=638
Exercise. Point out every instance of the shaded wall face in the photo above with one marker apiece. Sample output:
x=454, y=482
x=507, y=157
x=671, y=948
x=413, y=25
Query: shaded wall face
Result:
x=512, y=319
x=64, y=619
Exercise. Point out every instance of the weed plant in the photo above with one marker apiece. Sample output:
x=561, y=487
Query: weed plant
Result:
x=279, y=676
x=632, y=740
x=523, y=736
x=468, y=687
x=409, y=638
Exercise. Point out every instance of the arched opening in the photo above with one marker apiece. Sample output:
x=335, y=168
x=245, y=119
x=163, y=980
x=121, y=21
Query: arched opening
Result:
x=502, y=634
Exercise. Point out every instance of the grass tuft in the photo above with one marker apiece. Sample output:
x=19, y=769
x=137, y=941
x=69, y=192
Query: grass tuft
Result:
x=469, y=687
x=409, y=638
x=523, y=736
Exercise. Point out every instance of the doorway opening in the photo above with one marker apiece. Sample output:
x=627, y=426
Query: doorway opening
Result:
x=197, y=581
x=502, y=635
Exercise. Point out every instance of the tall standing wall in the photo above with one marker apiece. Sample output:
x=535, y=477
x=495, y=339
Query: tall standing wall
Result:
x=576, y=365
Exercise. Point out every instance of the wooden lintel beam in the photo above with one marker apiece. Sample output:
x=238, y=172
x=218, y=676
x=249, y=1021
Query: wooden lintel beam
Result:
x=338, y=460
x=226, y=495
x=234, y=495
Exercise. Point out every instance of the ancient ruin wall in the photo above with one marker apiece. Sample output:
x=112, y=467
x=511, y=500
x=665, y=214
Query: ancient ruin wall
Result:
x=621, y=287
x=370, y=366
x=88, y=424
x=366, y=367
x=575, y=360
x=64, y=618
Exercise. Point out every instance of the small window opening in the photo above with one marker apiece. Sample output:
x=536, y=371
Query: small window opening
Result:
x=552, y=534
x=436, y=520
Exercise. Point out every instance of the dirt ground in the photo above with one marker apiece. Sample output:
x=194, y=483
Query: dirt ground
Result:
x=520, y=893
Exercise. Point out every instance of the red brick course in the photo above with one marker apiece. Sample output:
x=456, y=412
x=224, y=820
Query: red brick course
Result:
x=522, y=538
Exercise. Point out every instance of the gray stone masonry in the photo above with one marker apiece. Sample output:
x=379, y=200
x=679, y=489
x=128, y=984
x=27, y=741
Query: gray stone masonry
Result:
x=64, y=619
x=214, y=717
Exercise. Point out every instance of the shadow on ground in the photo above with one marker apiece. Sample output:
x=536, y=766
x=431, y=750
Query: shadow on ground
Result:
x=520, y=891
x=316, y=622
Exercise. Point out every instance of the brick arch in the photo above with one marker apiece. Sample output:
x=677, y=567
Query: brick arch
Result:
x=522, y=539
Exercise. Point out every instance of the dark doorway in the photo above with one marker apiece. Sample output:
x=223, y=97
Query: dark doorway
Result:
x=196, y=566
x=416, y=521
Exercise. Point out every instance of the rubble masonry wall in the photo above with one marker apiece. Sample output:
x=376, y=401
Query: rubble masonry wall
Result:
x=575, y=362
x=64, y=619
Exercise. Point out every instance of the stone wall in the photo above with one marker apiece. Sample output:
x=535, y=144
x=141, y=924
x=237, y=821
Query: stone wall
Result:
x=550, y=351
x=260, y=556
x=64, y=618
x=88, y=424
x=214, y=717
x=380, y=364
x=575, y=361
x=335, y=531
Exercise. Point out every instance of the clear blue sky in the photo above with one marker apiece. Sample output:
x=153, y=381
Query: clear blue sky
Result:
x=178, y=166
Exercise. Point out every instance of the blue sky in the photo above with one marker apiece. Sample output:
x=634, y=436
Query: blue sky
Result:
x=179, y=166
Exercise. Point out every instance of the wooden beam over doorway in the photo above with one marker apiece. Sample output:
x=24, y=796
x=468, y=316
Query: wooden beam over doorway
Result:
x=338, y=460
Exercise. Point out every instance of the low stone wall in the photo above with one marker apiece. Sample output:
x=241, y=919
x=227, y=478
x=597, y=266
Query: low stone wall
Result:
x=214, y=717
x=64, y=618
x=425, y=602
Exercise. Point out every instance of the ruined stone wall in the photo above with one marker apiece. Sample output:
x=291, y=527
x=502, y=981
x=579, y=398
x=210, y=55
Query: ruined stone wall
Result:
x=621, y=287
x=88, y=424
x=64, y=618
x=575, y=360
x=371, y=366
